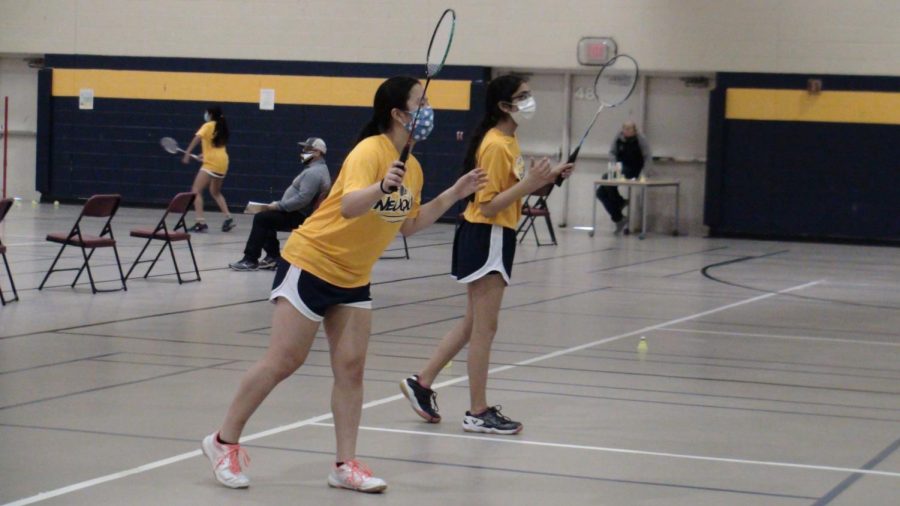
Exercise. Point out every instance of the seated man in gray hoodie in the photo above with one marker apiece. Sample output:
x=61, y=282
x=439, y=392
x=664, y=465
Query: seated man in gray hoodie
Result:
x=297, y=203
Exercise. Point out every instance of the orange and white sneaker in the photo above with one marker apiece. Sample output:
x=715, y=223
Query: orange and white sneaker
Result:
x=226, y=461
x=355, y=475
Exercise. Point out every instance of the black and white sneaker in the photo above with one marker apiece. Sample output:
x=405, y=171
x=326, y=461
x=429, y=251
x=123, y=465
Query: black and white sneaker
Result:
x=228, y=224
x=492, y=421
x=244, y=265
x=423, y=400
x=268, y=263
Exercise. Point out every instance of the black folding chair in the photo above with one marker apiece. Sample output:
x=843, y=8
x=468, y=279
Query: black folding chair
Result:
x=531, y=210
x=98, y=206
x=180, y=205
x=5, y=205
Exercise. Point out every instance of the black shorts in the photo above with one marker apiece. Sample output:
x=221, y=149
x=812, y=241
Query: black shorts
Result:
x=312, y=296
x=480, y=249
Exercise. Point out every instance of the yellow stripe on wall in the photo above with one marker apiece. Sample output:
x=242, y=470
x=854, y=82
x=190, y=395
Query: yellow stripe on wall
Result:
x=210, y=87
x=828, y=106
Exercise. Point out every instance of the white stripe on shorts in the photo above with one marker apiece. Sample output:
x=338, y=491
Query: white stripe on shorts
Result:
x=494, y=260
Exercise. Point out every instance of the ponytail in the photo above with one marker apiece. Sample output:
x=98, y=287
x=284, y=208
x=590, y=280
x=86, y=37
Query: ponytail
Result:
x=392, y=94
x=500, y=89
x=220, y=133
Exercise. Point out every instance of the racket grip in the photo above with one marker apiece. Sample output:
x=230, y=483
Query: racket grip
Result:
x=572, y=158
x=404, y=155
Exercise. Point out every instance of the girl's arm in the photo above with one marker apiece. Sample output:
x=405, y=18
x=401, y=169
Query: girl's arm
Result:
x=468, y=184
x=187, y=151
x=358, y=202
x=539, y=174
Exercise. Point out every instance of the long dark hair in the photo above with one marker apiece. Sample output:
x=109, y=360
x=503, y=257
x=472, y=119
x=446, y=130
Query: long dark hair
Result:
x=220, y=134
x=500, y=89
x=392, y=94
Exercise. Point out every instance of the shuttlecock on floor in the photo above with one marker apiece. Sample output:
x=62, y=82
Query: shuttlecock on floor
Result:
x=642, y=348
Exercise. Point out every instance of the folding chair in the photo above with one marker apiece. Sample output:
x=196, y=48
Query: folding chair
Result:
x=98, y=206
x=533, y=210
x=180, y=205
x=5, y=204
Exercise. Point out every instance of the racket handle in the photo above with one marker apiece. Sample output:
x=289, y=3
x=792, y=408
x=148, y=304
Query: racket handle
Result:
x=572, y=158
x=404, y=155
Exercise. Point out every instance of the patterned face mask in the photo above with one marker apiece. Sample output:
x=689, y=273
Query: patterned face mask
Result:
x=424, y=125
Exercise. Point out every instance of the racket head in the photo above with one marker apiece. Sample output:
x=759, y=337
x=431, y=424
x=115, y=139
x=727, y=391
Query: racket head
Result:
x=439, y=46
x=169, y=144
x=616, y=81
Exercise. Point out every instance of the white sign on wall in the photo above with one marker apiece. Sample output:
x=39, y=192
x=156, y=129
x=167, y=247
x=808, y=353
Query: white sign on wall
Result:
x=86, y=98
x=267, y=99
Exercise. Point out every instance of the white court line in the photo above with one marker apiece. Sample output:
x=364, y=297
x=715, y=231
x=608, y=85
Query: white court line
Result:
x=310, y=421
x=782, y=336
x=482, y=439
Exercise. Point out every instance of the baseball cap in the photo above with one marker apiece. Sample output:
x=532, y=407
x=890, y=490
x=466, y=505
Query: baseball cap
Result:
x=314, y=143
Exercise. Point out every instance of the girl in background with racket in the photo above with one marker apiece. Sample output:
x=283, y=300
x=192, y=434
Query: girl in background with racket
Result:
x=212, y=137
x=483, y=252
x=323, y=276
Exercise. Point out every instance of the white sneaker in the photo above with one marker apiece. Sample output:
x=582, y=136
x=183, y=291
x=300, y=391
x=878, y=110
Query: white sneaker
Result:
x=355, y=475
x=226, y=461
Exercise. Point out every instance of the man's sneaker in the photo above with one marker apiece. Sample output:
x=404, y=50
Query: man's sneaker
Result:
x=226, y=461
x=492, y=421
x=423, y=400
x=244, y=265
x=200, y=227
x=227, y=225
x=355, y=475
x=621, y=224
x=268, y=263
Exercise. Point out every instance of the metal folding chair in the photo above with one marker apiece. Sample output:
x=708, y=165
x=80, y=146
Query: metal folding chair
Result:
x=531, y=210
x=98, y=206
x=5, y=205
x=180, y=205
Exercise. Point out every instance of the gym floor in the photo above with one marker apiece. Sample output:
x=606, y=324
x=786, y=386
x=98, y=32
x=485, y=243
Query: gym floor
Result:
x=771, y=376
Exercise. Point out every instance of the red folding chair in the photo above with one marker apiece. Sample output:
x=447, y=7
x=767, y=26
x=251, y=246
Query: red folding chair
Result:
x=98, y=206
x=180, y=205
x=5, y=205
x=533, y=210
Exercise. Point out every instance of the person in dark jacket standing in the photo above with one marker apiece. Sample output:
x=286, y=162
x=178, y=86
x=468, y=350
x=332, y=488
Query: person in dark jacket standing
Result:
x=629, y=148
x=297, y=204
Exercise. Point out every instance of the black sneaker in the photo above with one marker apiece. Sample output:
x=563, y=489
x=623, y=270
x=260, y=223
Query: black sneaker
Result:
x=227, y=225
x=268, y=263
x=244, y=265
x=200, y=227
x=492, y=421
x=423, y=400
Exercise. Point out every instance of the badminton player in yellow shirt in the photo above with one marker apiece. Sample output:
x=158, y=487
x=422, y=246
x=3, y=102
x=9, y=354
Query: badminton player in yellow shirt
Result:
x=483, y=252
x=324, y=277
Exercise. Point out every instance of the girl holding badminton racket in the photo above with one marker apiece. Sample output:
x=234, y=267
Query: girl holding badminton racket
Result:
x=324, y=273
x=483, y=252
x=212, y=137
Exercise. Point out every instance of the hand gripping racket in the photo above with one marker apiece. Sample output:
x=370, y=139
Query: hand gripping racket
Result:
x=171, y=146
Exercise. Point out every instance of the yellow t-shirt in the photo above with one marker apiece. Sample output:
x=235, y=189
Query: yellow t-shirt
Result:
x=214, y=158
x=342, y=251
x=501, y=158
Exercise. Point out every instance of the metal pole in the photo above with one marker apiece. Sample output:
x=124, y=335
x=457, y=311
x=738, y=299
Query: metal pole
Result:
x=5, y=139
x=566, y=140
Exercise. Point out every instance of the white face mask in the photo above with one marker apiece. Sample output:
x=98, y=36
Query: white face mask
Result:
x=526, y=109
x=306, y=157
x=206, y=116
